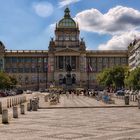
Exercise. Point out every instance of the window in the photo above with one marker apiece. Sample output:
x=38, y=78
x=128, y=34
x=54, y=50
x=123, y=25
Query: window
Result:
x=99, y=60
x=14, y=59
x=20, y=60
x=20, y=70
x=26, y=70
x=34, y=60
x=66, y=37
x=39, y=60
x=99, y=67
x=117, y=60
x=45, y=60
x=8, y=60
x=73, y=38
x=61, y=62
x=73, y=62
x=27, y=60
x=123, y=60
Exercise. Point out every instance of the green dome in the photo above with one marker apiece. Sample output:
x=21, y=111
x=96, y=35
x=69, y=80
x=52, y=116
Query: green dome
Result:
x=67, y=21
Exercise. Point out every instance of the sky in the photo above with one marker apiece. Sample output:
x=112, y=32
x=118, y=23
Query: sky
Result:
x=104, y=24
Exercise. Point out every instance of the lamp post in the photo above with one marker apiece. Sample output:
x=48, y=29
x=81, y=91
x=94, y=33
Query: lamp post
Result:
x=38, y=77
x=46, y=77
x=26, y=82
x=88, y=79
x=88, y=70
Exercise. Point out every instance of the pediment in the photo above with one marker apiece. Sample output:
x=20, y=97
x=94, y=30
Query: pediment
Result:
x=67, y=50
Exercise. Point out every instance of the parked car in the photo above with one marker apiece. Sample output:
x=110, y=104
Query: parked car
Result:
x=19, y=91
x=120, y=92
x=3, y=94
x=28, y=92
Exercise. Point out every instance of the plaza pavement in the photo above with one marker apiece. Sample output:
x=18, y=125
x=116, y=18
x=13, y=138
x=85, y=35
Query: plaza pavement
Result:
x=82, y=101
x=75, y=124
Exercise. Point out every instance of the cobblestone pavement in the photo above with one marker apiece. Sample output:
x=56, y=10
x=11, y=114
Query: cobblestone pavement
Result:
x=75, y=124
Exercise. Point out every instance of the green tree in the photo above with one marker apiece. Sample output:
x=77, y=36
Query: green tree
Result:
x=105, y=77
x=13, y=81
x=6, y=81
x=133, y=79
x=114, y=76
x=118, y=76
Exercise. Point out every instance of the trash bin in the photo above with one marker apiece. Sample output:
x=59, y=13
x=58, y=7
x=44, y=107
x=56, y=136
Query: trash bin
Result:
x=126, y=99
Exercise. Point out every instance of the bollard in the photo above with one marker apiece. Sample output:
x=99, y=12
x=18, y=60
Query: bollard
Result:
x=22, y=109
x=15, y=112
x=7, y=103
x=10, y=103
x=46, y=98
x=138, y=103
x=31, y=103
x=0, y=107
x=5, y=116
x=34, y=105
x=126, y=99
x=29, y=107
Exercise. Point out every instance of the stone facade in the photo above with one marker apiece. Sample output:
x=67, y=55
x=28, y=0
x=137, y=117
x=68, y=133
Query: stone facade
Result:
x=40, y=69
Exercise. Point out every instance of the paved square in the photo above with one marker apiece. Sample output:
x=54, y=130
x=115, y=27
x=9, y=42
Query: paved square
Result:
x=75, y=124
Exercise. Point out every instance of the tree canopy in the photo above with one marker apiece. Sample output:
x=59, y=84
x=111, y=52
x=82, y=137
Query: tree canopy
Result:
x=133, y=79
x=113, y=76
x=6, y=81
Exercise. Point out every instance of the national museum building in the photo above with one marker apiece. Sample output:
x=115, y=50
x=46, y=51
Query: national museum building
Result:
x=41, y=68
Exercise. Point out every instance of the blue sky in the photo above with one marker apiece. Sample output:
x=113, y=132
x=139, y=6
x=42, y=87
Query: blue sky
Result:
x=104, y=24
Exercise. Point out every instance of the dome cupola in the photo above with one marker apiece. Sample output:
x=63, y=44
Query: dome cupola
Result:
x=67, y=21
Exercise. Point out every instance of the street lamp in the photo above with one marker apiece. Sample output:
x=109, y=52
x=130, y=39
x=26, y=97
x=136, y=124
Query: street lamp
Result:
x=46, y=77
x=38, y=77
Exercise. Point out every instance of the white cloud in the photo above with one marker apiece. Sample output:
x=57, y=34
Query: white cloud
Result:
x=122, y=23
x=116, y=21
x=63, y=3
x=43, y=9
x=120, y=42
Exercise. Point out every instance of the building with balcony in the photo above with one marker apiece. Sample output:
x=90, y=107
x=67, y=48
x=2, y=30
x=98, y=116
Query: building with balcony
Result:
x=134, y=54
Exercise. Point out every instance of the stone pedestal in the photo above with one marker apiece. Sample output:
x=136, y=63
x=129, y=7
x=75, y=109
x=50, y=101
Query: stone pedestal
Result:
x=15, y=112
x=5, y=116
x=22, y=109
x=34, y=105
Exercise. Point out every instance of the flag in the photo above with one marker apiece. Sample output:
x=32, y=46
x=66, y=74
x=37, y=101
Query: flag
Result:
x=89, y=67
x=46, y=67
